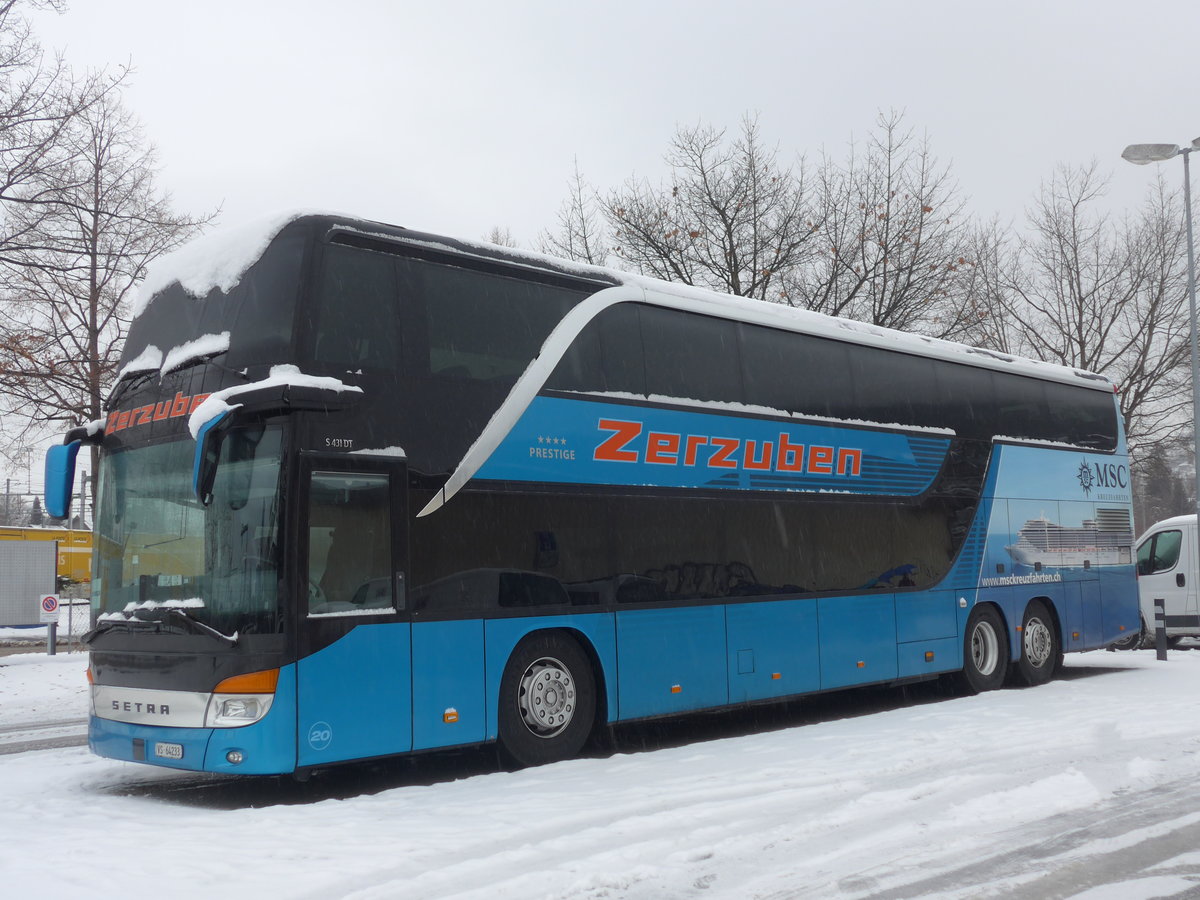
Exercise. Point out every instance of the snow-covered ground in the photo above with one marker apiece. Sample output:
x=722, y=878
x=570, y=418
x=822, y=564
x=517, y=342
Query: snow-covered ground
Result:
x=1080, y=788
x=73, y=619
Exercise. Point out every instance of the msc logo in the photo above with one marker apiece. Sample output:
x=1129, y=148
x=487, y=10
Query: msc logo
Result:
x=1102, y=475
x=629, y=442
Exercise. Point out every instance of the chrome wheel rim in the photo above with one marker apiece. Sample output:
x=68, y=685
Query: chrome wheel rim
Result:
x=985, y=648
x=1038, y=642
x=546, y=697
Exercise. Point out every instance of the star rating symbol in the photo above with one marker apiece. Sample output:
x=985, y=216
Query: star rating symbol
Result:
x=552, y=440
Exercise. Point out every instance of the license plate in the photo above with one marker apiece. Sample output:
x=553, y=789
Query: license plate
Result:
x=168, y=751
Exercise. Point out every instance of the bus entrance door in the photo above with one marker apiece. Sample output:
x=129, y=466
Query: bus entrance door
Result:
x=354, y=693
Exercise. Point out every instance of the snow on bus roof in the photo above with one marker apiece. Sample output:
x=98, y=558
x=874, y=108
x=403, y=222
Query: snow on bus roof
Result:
x=217, y=259
x=221, y=257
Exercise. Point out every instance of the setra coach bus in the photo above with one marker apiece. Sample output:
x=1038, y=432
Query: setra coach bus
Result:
x=367, y=491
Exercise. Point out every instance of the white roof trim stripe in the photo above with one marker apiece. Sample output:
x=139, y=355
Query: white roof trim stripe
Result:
x=527, y=387
x=560, y=339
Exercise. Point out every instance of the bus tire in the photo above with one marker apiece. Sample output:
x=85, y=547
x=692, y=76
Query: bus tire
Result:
x=985, y=651
x=1041, y=649
x=547, y=703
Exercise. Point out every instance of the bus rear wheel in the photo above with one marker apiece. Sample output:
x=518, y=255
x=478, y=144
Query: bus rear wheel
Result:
x=985, y=651
x=1041, y=649
x=1133, y=640
x=547, y=701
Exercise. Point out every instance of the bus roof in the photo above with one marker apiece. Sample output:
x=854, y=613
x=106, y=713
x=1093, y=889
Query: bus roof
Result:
x=219, y=259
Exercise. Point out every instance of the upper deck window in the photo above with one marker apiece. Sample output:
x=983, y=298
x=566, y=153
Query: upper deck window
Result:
x=382, y=311
x=462, y=323
x=692, y=356
x=356, y=318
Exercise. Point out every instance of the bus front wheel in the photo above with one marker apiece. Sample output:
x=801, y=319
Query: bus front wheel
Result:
x=547, y=701
x=985, y=651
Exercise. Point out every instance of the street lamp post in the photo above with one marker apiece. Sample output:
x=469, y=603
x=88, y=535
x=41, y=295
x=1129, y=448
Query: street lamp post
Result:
x=1143, y=154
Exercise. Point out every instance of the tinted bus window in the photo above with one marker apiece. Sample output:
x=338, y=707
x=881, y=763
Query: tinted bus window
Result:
x=606, y=357
x=349, y=540
x=1022, y=407
x=355, y=321
x=886, y=383
x=467, y=324
x=966, y=399
x=621, y=348
x=690, y=356
x=662, y=548
x=582, y=365
x=1081, y=416
x=796, y=373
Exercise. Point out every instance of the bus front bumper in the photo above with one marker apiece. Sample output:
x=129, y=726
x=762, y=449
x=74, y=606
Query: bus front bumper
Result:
x=254, y=750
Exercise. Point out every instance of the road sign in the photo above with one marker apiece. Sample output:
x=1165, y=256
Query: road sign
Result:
x=49, y=608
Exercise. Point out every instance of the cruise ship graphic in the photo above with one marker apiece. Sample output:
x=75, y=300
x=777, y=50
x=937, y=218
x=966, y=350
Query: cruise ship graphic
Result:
x=1104, y=541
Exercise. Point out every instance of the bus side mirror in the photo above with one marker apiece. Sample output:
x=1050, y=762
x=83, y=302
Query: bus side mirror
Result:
x=254, y=403
x=60, y=478
x=208, y=451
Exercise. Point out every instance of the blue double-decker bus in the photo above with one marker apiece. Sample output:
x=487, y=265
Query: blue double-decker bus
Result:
x=367, y=491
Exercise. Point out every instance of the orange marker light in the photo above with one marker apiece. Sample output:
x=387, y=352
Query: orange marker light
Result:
x=450, y=716
x=676, y=689
x=928, y=656
x=861, y=664
x=251, y=683
x=775, y=676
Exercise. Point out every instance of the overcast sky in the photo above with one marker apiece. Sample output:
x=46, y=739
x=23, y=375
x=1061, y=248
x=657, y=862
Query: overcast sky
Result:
x=456, y=117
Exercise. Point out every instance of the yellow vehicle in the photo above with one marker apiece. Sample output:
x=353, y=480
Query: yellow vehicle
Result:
x=74, y=549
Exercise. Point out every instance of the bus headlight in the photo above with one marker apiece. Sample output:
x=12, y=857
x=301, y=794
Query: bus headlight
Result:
x=241, y=700
x=231, y=711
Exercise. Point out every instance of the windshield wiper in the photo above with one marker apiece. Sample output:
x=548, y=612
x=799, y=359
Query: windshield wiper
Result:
x=128, y=625
x=200, y=359
x=199, y=627
x=128, y=383
x=137, y=379
x=137, y=623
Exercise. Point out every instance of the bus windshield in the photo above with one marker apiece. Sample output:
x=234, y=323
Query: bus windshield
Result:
x=158, y=548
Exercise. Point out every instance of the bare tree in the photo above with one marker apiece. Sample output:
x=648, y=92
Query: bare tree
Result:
x=1080, y=290
x=894, y=246
x=64, y=312
x=1159, y=490
x=501, y=236
x=14, y=509
x=731, y=218
x=580, y=235
x=39, y=99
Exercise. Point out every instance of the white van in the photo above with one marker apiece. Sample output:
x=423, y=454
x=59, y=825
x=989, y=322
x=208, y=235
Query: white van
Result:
x=1167, y=570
